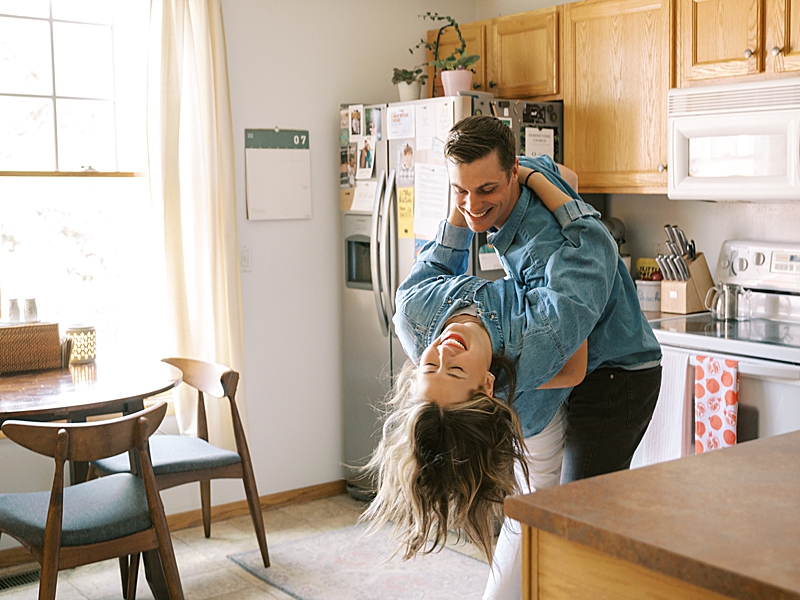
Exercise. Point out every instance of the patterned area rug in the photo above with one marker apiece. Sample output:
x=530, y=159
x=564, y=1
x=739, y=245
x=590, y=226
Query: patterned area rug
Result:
x=345, y=564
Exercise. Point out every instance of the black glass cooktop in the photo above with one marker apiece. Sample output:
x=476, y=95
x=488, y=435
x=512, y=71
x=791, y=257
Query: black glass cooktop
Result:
x=761, y=331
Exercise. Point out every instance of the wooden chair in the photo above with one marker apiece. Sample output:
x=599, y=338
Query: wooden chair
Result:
x=111, y=517
x=183, y=459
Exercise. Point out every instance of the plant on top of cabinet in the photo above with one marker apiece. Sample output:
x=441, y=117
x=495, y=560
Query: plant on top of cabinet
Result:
x=409, y=82
x=454, y=67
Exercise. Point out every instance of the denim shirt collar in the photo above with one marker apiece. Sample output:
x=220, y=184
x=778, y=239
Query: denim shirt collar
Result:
x=502, y=238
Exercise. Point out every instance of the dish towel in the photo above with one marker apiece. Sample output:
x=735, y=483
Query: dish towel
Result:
x=669, y=435
x=716, y=403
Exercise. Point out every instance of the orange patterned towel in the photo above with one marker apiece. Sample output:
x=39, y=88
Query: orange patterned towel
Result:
x=716, y=403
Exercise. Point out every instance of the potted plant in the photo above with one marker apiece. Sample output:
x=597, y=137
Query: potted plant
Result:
x=408, y=82
x=456, y=75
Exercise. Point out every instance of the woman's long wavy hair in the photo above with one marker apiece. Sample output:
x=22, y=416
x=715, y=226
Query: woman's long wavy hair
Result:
x=446, y=468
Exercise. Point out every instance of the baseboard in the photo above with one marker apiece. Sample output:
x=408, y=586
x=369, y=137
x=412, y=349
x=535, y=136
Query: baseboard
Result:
x=18, y=555
x=221, y=512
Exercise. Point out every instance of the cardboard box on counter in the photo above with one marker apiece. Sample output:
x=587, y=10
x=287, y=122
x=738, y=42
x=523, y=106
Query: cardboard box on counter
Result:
x=684, y=297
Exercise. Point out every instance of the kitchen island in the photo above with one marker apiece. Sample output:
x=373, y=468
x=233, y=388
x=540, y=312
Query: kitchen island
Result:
x=725, y=524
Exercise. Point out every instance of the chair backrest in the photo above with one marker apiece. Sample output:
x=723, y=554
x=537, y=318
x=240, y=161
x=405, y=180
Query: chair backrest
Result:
x=87, y=441
x=209, y=378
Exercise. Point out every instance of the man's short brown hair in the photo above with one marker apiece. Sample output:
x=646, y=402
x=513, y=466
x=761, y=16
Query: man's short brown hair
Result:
x=478, y=136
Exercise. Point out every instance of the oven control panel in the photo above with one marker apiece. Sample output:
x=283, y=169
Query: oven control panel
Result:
x=760, y=265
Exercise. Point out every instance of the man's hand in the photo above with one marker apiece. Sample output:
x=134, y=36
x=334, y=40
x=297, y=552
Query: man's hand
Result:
x=456, y=218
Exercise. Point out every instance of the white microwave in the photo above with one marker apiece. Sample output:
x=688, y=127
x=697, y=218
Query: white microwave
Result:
x=735, y=142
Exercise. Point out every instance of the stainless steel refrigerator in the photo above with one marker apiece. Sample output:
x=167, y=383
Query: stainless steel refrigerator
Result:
x=379, y=250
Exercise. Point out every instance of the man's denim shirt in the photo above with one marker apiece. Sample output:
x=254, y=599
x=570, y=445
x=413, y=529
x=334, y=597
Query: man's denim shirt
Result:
x=564, y=285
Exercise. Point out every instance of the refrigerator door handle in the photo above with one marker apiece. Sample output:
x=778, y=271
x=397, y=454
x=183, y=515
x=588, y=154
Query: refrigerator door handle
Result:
x=376, y=248
x=386, y=220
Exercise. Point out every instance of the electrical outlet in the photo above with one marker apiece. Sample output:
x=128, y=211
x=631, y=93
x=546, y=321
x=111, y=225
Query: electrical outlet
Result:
x=245, y=257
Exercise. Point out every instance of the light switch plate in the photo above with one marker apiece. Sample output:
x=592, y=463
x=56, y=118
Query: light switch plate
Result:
x=245, y=258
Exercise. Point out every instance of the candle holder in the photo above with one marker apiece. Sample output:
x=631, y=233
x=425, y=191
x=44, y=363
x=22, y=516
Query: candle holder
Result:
x=84, y=344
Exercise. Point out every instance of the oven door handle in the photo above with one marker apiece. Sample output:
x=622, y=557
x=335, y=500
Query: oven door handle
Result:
x=769, y=370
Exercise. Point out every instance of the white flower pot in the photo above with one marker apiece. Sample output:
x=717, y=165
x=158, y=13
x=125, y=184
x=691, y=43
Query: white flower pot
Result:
x=456, y=81
x=408, y=91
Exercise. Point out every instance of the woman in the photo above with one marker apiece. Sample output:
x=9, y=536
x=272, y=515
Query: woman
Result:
x=452, y=438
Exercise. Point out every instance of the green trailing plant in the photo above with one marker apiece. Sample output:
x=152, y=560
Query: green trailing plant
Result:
x=409, y=76
x=458, y=59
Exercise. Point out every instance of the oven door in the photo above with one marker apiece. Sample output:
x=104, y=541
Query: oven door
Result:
x=769, y=395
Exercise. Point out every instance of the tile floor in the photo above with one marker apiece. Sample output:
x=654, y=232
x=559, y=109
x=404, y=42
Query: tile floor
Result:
x=206, y=572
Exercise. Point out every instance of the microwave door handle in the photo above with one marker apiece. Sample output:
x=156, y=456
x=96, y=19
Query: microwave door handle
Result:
x=375, y=254
x=386, y=265
x=770, y=371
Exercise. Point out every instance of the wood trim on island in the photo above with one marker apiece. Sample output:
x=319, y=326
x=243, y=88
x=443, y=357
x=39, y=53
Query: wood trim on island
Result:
x=18, y=555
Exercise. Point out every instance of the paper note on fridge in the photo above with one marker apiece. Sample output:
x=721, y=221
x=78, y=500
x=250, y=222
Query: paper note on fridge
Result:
x=431, y=193
x=400, y=122
x=364, y=196
x=539, y=141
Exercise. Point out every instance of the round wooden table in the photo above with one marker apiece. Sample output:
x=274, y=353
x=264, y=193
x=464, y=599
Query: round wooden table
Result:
x=97, y=388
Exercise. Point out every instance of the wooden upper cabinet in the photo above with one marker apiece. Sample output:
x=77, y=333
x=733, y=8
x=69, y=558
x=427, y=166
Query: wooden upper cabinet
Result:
x=615, y=81
x=523, y=54
x=475, y=36
x=718, y=38
x=724, y=39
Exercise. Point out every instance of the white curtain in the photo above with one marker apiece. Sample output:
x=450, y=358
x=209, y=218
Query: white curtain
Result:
x=191, y=162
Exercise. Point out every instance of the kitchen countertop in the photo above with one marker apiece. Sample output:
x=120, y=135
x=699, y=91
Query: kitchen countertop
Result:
x=727, y=521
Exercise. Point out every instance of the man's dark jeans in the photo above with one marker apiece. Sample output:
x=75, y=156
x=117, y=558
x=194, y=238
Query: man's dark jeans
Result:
x=607, y=415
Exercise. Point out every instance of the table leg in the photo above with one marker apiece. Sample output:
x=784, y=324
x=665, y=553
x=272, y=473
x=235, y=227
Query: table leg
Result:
x=154, y=573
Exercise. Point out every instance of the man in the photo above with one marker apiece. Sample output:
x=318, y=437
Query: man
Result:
x=608, y=413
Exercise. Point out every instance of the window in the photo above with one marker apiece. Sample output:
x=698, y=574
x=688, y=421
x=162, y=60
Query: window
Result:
x=77, y=229
x=72, y=85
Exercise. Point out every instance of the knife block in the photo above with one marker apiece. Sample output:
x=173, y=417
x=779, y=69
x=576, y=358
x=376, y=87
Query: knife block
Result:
x=684, y=297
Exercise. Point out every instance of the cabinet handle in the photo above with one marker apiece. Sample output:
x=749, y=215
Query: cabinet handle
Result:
x=776, y=51
x=476, y=86
x=662, y=167
x=492, y=84
x=748, y=53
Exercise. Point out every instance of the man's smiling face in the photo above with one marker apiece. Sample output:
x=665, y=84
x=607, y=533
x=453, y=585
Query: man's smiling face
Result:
x=484, y=193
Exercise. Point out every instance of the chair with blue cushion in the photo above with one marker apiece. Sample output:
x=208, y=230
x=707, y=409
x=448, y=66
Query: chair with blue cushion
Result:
x=179, y=459
x=93, y=521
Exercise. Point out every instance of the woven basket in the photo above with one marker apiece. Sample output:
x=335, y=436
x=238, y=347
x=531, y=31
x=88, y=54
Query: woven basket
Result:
x=29, y=347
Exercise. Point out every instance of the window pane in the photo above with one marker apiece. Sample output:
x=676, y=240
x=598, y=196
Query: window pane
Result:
x=87, y=250
x=26, y=134
x=86, y=135
x=25, y=66
x=25, y=8
x=83, y=60
x=88, y=11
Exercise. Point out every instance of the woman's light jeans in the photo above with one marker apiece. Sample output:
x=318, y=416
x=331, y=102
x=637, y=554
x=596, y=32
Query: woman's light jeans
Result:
x=544, y=453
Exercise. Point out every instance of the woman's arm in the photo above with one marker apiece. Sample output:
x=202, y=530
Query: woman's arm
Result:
x=572, y=373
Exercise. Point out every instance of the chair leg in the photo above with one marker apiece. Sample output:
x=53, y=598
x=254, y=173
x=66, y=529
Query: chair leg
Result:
x=123, y=575
x=48, y=581
x=253, y=502
x=205, y=504
x=133, y=577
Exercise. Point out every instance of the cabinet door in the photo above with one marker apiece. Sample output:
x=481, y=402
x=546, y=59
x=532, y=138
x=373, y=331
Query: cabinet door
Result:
x=524, y=54
x=782, y=43
x=718, y=38
x=474, y=35
x=616, y=77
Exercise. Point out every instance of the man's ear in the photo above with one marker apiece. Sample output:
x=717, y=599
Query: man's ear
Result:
x=515, y=171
